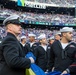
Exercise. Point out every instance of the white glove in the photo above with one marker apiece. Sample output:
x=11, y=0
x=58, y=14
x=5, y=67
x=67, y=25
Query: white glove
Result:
x=32, y=60
x=46, y=71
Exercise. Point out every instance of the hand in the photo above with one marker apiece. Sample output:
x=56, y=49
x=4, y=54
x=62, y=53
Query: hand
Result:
x=53, y=69
x=31, y=59
x=64, y=72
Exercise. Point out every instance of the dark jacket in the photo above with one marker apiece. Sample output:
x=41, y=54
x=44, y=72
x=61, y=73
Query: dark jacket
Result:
x=61, y=58
x=33, y=46
x=12, y=59
x=41, y=57
x=26, y=49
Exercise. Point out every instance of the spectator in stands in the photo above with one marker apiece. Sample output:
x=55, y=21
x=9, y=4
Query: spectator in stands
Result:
x=13, y=60
x=63, y=53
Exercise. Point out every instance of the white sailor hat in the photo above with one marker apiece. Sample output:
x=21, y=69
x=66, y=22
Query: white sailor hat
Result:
x=58, y=33
x=51, y=38
x=31, y=34
x=14, y=19
x=66, y=29
x=42, y=36
x=22, y=37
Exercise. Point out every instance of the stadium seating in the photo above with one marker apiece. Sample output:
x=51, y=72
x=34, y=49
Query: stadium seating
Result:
x=52, y=18
x=55, y=1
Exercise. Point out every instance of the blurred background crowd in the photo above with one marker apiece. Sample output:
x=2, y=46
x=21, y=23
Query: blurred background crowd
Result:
x=41, y=17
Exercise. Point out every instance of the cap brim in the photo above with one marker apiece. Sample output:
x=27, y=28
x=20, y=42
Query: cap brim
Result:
x=17, y=22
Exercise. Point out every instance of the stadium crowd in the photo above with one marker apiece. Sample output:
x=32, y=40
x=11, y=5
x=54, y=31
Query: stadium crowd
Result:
x=55, y=1
x=40, y=17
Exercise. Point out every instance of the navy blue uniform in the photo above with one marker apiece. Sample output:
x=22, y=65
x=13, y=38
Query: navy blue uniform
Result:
x=62, y=59
x=12, y=58
x=31, y=48
x=42, y=57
